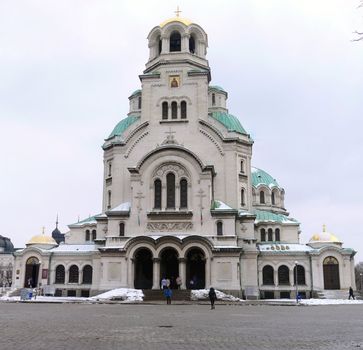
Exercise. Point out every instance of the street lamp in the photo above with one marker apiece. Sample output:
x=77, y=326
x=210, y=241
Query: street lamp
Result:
x=296, y=284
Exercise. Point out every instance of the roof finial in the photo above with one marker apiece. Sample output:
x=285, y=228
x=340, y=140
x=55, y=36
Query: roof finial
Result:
x=43, y=230
x=56, y=223
x=324, y=228
x=177, y=12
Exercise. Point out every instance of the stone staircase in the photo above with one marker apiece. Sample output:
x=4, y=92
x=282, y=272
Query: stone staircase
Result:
x=15, y=292
x=337, y=294
x=158, y=295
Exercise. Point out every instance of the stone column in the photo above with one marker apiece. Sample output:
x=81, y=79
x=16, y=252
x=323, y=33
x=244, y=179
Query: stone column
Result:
x=183, y=272
x=207, y=272
x=156, y=273
x=276, y=278
x=291, y=272
x=185, y=43
x=177, y=194
x=164, y=45
x=130, y=273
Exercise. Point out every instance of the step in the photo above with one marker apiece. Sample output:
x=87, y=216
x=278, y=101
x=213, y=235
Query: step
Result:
x=157, y=295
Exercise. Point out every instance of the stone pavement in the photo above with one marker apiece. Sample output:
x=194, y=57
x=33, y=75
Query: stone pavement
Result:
x=192, y=326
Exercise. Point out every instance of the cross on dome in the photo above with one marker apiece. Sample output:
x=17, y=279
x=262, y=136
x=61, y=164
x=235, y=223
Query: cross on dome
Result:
x=177, y=12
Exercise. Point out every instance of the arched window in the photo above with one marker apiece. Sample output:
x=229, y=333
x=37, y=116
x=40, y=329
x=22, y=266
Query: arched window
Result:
x=94, y=235
x=277, y=235
x=170, y=191
x=273, y=198
x=109, y=199
x=88, y=237
x=300, y=275
x=213, y=99
x=243, y=197
x=165, y=110
x=183, y=194
x=262, y=197
x=219, y=228
x=183, y=110
x=160, y=43
x=242, y=169
x=60, y=274
x=269, y=232
x=175, y=42
x=174, y=110
x=157, y=194
x=263, y=235
x=139, y=103
x=122, y=229
x=268, y=275
x=284, y=275
x=192, y=44
x=87, y=274
x=73, y=274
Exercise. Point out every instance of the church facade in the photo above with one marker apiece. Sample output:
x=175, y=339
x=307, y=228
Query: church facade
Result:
x=182, y=199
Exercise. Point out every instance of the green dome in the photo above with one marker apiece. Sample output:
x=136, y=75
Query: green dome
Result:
x=121, y=126
x=136, y=92
x=229, y=121
x=216, y=87
x=260, y=177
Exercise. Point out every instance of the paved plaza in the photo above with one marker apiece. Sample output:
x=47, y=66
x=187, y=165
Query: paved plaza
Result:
x=117, y=326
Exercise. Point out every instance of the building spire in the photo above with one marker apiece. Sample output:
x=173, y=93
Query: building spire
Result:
x=56, y=223
x=177, y=12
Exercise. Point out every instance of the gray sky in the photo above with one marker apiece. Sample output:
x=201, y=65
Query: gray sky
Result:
x=294, y=77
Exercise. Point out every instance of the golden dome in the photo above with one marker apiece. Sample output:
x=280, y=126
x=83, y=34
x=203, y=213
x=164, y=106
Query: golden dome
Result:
x=185, y=21
x=42, y=239
x=324, y=237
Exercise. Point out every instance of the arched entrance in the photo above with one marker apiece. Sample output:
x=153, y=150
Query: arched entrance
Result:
x=143, y=269
x=31, y=272
x=195, y=269
x=331, y=273
x=169, y=265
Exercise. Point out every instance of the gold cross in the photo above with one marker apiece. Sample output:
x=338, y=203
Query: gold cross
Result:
x=43, y=230
x=177, y=12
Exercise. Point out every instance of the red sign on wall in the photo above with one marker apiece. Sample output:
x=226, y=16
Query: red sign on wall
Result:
x=44, y=273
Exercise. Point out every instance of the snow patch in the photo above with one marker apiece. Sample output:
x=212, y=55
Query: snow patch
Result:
x=124, y=294
x=203, y=294
x=330, y=302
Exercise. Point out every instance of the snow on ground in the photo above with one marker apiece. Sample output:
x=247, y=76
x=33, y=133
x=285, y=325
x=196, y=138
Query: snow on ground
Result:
x=120, y=294
x=203, y=294
x=125, y=294
x=330, y=302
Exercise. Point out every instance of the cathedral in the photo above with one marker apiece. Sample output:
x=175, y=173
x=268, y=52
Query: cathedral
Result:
x=181, y=198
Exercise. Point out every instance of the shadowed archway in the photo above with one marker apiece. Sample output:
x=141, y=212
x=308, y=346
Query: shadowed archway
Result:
x=143, y=276
x=195, y=269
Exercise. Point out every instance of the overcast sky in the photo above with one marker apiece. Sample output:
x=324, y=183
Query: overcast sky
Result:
x=293, y=74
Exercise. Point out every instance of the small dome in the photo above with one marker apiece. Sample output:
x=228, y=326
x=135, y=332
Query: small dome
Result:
x=260, y=177
x=42, y=240
x=185, y=21
x=5, y=245
x=324, y=237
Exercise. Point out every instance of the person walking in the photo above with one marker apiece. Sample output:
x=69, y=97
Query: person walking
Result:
x=168, y=294
x=212, y=297
x=351, y=293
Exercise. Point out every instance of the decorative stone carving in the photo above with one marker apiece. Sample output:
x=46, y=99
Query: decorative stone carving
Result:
x=181, y=171
x=169, y=226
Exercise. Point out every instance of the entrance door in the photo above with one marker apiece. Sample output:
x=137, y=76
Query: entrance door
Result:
x=143, y=269
x=169, y=266
x=195, y=269
x=31, y=273
x=331, y=273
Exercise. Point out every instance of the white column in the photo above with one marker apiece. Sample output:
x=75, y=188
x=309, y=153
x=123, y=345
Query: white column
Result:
x=164, y=45
x=207, y=272
x=156, y=273
x=182, y=272
x=276, y=278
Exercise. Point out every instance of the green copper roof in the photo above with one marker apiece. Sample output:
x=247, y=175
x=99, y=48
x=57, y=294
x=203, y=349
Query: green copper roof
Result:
x=229, y=121
x=260, y=177
x=136, y=92
x=121, y=127
x=267, y=216
x=216, y=87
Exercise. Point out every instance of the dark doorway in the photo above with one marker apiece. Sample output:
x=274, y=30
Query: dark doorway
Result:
x=331, y=273
x=169, y=266
x=195, y=269
x=143, y=269
x=31, y=273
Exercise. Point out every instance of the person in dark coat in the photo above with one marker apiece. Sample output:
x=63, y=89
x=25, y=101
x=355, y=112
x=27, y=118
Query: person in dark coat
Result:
x=351, y=294
x=212, y=297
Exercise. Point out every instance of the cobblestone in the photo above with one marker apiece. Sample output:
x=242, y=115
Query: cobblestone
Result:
x=82, y=326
